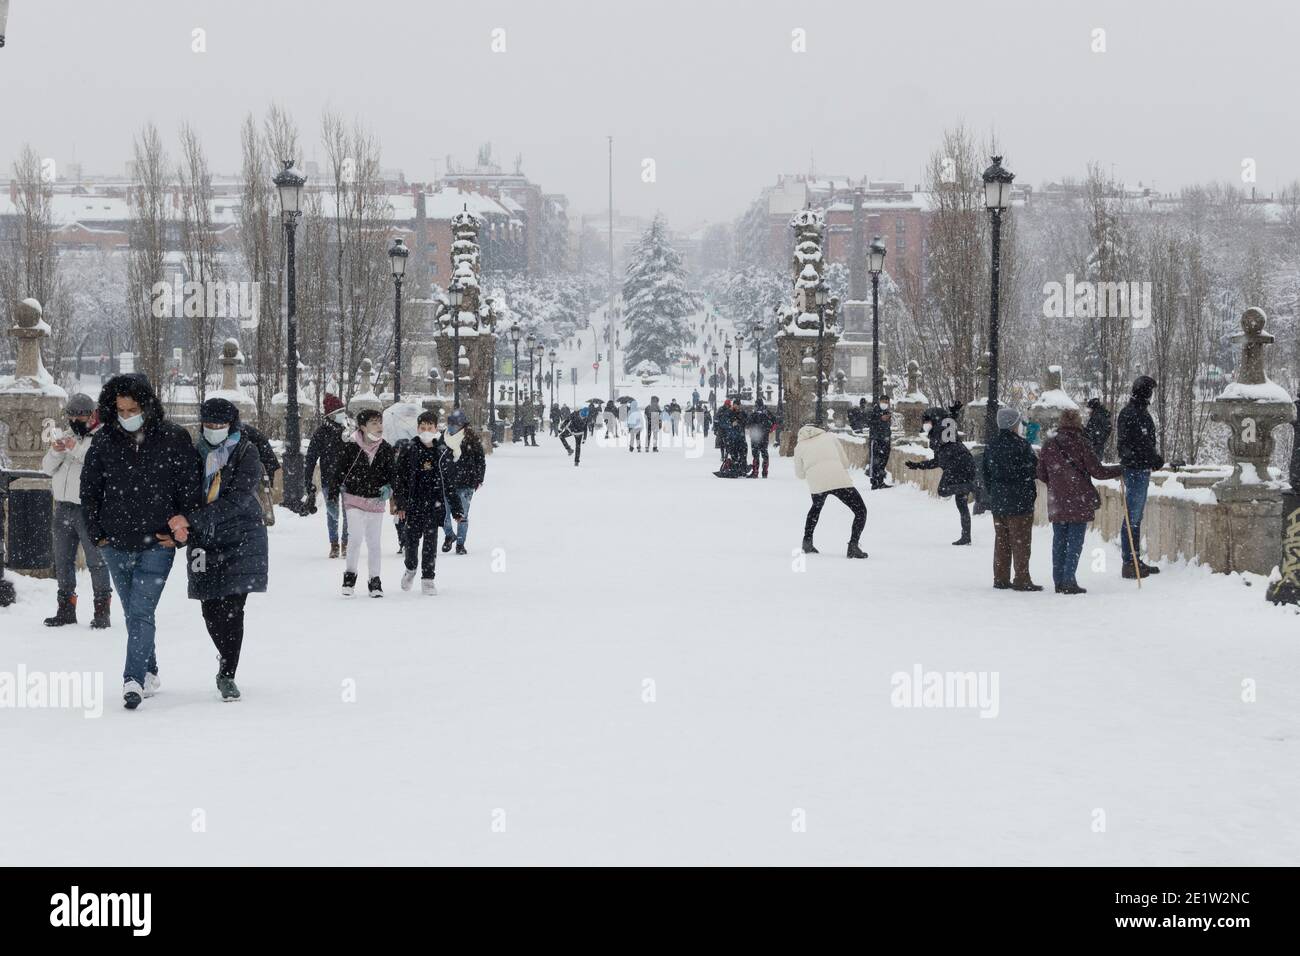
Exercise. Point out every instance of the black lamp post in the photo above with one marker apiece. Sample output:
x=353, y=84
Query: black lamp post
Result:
x=876, y=265
x=514, y=337
x=780, y=383
x=551, y=355
x=455, y=295
x=492, y=385
x=289, y=183
x=756, y=334
x=531, y=342
x=819, y=297
x=713, y=392
x=726, y=368
x=997, y=199
x=397, y=254
x=740, y=379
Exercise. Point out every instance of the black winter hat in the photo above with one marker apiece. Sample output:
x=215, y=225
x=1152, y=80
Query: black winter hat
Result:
x=1143, y=387
x=218, y=411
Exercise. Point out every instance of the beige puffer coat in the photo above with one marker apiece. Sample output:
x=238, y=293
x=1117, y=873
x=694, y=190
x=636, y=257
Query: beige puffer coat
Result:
x=820, y=460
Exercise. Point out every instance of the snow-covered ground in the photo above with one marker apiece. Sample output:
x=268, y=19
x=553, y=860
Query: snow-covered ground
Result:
x=509, y=719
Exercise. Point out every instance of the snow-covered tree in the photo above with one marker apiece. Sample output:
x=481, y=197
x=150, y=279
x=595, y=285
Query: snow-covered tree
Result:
x=656, y=301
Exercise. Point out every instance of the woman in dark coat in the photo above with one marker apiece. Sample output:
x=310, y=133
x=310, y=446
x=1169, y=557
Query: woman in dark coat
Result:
x=227, y=552
x=952, y=455
x=1067, y=464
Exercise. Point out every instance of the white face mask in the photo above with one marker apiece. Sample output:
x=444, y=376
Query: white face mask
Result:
x=427, y=437
x=215, y=436
x=374, y=434
x=339, y=417
x=132, y=423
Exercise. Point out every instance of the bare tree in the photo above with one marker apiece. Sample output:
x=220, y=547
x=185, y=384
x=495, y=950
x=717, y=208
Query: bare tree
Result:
x=149, y=210
x=199, y=245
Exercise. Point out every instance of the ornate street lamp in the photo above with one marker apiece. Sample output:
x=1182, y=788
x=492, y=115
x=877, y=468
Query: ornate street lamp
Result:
x=875, y=265
x=289, y=183
x=820, y=295
x=514, y=337
x=397, y=254
x=997, y=199
x=551, y=355
x=455, y=296
x=740, y=379
x=726, y=367
x=713, y=392
x=531, y=342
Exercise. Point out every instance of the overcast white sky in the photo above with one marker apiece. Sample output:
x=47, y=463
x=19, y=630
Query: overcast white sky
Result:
x=710, y=89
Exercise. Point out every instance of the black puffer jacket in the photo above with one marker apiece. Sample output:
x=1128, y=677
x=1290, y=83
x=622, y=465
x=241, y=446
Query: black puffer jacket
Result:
x=421, y=480
x=1136, y=429
x=265, y=453
x=358, y=475
x=469, y=470
x=227, y=549
x=1009, y=467
x=957, y=463
x=326, y=446
x=133, y=483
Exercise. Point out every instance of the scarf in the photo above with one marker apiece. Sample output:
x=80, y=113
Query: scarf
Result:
x=213, y=462
x=367, y=446
x=453, y=442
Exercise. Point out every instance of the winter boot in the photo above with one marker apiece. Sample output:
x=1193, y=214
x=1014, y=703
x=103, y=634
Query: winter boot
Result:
x=753, y=472
x=334, y=549
x=132, y=694
x=375, y=587
x=349, y=583
x=1147, y=569
x=67, y=612
x=408, y=578
x=1026, y=586
x=151, y=684
x=343, y=549
x=227, y=688
x=964, y=539
x=855, y=551
x=764, y=467
x=808, y=547
x=460, y=548
x=1128, y=571
x=447, y=542
x=1070, y=588
x=102, y=603
x=427, y=587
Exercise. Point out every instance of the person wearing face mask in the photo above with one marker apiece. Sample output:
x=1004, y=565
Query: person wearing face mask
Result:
x=468, y=467
x=141, y=471
x=225, y=534
x=1009, y=466
x=63, y=463
x=422, y=494
x=364, y=475
x=880, y=427
x=325, y=447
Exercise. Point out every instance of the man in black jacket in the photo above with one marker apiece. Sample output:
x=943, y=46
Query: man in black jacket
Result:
x=759, y=425
x=325, y=446
x=880, y=428
x=1098, y=428
x=1009, y=465
x=575, y=427
x=140, y=473
x=1136, y=439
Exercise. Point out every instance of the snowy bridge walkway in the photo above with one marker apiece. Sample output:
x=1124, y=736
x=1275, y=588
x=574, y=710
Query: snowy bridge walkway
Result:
x=518, y=698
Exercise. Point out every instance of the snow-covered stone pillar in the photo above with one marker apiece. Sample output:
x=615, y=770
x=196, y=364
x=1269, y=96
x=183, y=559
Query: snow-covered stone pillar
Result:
x=467, y=335
x=1046, y=409
x=911, y=405
x=797, y=334
x=32, y=404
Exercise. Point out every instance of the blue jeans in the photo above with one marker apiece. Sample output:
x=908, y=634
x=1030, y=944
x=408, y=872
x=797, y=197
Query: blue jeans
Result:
x=139, y=578
x=332, y=519
x=465, y=495
x=1136, y=483
x=1067, y=546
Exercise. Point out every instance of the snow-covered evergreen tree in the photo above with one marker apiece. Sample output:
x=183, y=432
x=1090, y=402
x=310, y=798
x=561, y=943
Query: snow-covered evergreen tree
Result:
x=656, y=302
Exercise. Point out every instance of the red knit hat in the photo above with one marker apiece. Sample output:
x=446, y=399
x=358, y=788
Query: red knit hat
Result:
x=332, y=403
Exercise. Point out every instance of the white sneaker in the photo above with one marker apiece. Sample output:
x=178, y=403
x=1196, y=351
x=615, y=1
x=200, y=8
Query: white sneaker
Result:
x=428, y=587
x=132, y=694
x=151, y=684
x=407, y=579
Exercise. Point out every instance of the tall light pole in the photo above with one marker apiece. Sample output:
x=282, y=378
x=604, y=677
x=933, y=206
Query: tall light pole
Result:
x=756, y=333
x=289, y=183
x=397, y=254
x=492, y=384
x=551, y=355
x=780, y=383
x=740, y=379
x=820, y=296
x=713, y=391
x=531, y=342
x=876, y=265
x=455, y=295
x=612, y=328
x=726, y=368
x=997, y=199
x=514, y=337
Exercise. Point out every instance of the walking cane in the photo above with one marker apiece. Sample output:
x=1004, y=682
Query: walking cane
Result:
x=1128, y=529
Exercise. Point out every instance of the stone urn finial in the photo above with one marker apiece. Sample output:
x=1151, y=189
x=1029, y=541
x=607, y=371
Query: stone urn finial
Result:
x=912, y=405
x=1251, y=407
x=230, y=358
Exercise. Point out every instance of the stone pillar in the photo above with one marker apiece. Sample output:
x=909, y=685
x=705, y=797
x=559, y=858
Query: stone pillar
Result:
x=1251, y=407
x=365, y=396
x=1047, y=407
x=32, y=403
x=470, y=361
x=911, y=405
x=796, y=336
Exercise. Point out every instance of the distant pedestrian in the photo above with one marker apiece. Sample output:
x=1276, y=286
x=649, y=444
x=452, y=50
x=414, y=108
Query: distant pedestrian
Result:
x=759, y=425
x=880, y=429
x=1139, y=456
x=1098, y=428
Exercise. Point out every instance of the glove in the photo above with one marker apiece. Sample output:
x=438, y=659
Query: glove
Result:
x=385, y=492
